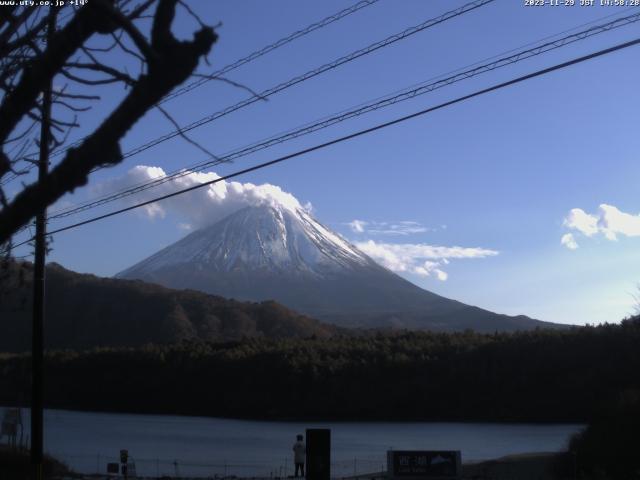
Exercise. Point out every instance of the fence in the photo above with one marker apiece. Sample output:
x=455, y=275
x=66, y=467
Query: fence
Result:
x=371, y=467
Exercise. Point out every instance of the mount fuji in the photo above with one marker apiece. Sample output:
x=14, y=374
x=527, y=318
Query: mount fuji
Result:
x=275, y=252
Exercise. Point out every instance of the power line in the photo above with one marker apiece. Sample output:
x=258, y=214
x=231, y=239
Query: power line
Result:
x=359, y=133
x=361, y=110
x=304, y=77
x=269, y=48
x=238, y=63
x=313, y=73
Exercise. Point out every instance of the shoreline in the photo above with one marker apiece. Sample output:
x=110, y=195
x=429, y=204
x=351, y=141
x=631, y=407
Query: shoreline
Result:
x=310, y=419
x=524, y=466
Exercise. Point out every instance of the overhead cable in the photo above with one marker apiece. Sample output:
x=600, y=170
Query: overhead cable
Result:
x=351, y=136
x=269, y=48
x=302, y=78
x=346, y=115
x=238, y=63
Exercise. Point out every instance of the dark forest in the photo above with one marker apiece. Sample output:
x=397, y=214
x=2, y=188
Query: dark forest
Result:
x=569, y=375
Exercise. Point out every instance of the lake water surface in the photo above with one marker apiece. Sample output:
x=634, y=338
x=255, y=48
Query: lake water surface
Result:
x=201, y=446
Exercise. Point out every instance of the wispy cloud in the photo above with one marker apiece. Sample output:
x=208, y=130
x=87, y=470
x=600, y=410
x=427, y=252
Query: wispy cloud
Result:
x=608, y=221
x=406, y=227
x=569, y=241
x=357, y=226
x=419, y=259
x=212, y=203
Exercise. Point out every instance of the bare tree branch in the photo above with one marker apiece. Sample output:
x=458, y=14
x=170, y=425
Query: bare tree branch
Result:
x=77, y=96
x=193, y=14
x=14, y=24
x=231, y=82
x=143, y=7
x=184, y=135
x=116, y=75
x=169, y=63
x=73, y=108
x=138, y=38
x=30, y=36
x=124, y=48
x=86, y=81
x=87, y=21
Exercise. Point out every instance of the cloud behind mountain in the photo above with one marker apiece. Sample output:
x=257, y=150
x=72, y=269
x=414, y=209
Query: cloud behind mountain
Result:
x=210, y=204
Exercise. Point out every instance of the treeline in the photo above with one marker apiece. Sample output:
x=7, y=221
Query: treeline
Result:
x=543, y=375
x=608, y=448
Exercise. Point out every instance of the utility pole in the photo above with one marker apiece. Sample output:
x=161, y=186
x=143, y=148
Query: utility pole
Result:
x=37, y=344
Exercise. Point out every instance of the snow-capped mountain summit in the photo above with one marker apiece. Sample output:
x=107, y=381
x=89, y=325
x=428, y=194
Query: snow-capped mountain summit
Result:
x=266, y=239
x=280, y=252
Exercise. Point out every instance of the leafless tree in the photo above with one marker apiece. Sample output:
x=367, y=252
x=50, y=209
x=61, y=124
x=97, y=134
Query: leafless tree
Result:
x=78, y=58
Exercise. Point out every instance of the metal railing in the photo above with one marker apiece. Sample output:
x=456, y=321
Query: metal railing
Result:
x=365, y=467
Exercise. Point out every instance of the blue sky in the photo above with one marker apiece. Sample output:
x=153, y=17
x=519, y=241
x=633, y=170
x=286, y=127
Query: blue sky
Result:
x=500, y=173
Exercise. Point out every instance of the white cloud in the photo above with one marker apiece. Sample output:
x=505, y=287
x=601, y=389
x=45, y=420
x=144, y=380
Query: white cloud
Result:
x=569, y=241
x=203, y=206
x=419, y=259
x=406, y=227
x=613, y=222
x=207, y=205
x=429, y=268
x=442, y=276
x=308, y=207
x=608, y=220
x=357, y=226
x=578, y=219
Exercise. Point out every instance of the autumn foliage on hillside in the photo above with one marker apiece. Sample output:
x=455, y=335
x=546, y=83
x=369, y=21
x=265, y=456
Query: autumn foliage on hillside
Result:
x=84, y=311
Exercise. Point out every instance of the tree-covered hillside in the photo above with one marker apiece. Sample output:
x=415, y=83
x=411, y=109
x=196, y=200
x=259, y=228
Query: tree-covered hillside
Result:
x=84, y=311
x=557, y=375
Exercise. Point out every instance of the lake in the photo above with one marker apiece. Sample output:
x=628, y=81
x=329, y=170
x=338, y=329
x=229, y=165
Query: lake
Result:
x=201, y=446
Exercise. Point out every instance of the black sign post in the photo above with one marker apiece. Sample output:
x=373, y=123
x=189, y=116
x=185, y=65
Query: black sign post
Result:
x=318, y=453
x=424, y=464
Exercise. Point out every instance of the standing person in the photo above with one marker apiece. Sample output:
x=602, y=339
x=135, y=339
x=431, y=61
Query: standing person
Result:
x=299, y=453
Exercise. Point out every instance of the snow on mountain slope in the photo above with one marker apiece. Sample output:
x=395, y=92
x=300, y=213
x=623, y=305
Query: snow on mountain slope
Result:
x=266, y=238
x=280, y=252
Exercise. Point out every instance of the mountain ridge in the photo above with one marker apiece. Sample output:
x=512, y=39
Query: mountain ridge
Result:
x=280, y=253
x=86, y=311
